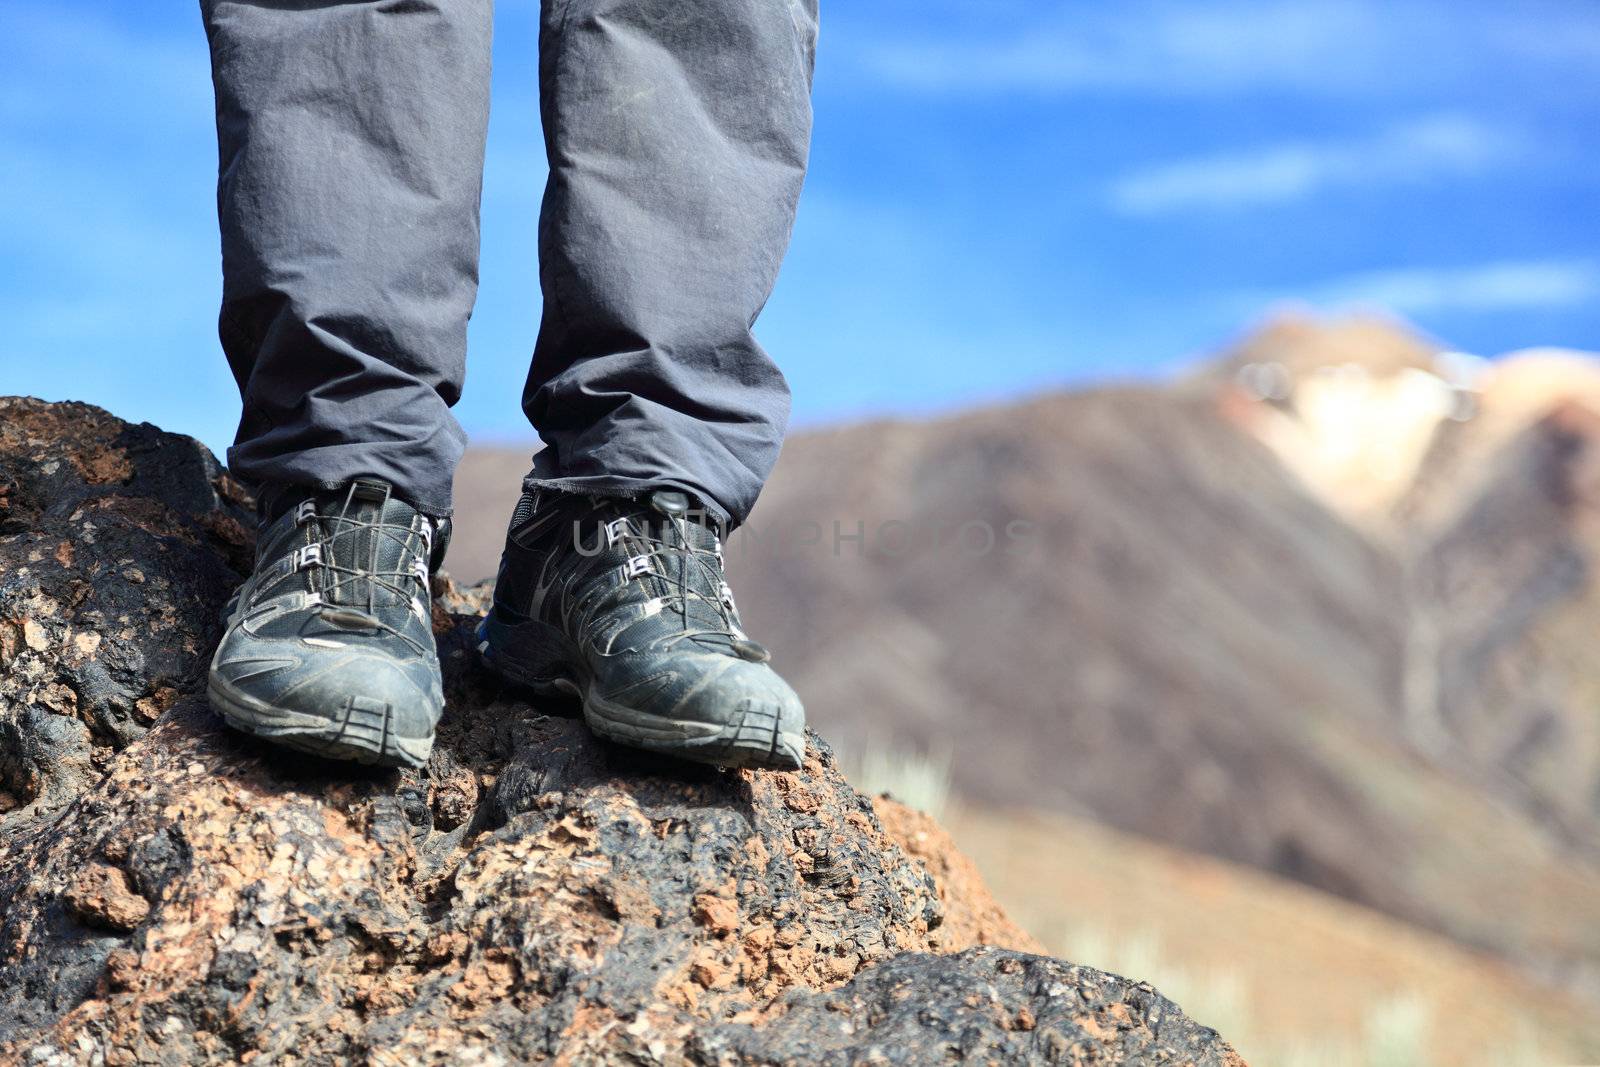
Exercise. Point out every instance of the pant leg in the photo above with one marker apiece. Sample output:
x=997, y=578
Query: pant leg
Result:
x=351, y=140
x=677, y=132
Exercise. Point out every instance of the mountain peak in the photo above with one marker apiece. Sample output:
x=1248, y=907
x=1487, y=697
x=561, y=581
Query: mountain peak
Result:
x=1300, y=343
x=1349, y=404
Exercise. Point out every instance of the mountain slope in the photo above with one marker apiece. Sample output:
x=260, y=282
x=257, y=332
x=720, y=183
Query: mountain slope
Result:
x=1192, y=647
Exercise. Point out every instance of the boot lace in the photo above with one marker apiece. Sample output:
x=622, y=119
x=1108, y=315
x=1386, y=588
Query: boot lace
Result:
x=697, y=592
x=330, y=559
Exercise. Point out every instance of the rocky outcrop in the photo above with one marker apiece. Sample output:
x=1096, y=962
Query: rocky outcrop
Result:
x=175, y=893
x=118, y=546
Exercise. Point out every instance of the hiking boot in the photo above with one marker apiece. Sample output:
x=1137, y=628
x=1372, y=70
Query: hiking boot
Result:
x=329, y=644
x=622, y=603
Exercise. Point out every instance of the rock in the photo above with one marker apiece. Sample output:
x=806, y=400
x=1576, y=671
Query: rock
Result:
x=100, y=896
x=981, y=1006
x=971, y=915
x=118, y=546
x=176, y=893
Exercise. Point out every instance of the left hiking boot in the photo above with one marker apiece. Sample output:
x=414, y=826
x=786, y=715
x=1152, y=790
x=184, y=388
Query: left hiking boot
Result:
x=622, y=603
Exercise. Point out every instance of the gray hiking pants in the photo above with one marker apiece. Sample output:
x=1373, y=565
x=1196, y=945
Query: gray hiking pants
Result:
x=351, y=142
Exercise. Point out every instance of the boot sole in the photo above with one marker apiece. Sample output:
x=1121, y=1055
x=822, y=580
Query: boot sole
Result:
x=755, y=738
x=361, y=732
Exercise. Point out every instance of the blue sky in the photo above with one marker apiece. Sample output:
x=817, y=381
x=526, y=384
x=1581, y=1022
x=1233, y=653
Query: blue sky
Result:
x=1004, y=195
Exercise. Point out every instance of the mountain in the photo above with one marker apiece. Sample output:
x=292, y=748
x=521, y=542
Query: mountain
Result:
x=176, y=893
x=1324, y=605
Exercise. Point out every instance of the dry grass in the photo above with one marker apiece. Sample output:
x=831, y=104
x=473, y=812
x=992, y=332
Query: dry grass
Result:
x=919, y=780
x=1293, y=977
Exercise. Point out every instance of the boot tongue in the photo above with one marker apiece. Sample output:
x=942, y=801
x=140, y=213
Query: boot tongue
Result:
x=376, y=492
x=354, y=540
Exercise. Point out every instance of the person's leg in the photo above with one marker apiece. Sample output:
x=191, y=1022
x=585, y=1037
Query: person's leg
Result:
x=678, y=135
x=351, y=139
x=351, y=142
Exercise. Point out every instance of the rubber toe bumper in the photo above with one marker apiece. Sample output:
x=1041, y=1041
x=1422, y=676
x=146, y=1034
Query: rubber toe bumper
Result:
x=384, y=720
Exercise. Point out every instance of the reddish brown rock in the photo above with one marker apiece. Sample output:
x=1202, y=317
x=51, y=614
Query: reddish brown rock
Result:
x=101, y=897
x=971, y=914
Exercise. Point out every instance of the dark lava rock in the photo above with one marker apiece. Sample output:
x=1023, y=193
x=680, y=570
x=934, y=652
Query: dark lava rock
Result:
x=119, y=545
x=174, y=893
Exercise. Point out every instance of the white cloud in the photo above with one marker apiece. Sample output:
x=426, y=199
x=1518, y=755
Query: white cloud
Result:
x=1177, y=47
x=1151, y=43
x=1509, y=285
x=1429, y=147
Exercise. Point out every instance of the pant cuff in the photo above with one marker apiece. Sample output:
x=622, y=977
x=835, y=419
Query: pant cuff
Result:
x=630, y=490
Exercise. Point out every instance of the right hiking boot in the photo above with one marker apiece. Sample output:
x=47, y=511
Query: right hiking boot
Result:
x=329, y=645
